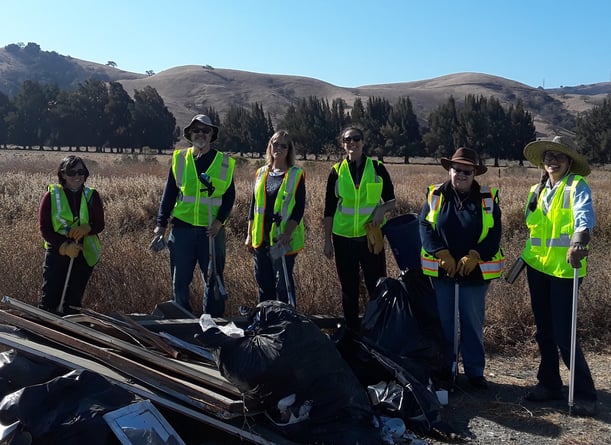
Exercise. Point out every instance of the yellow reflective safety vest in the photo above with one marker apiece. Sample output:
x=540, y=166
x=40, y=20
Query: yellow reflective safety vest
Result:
x=551, y=232
x=193, y=200
x=63, y=220
x=283, y=207
x=355, y=205
x=490, y=269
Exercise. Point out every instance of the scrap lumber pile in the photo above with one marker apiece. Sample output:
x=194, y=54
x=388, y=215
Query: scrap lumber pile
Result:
x=145, y=356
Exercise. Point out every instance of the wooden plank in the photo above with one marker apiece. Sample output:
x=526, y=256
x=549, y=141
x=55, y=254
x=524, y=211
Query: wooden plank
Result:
x=202, y=375
x=70, y=361
x=199, y=396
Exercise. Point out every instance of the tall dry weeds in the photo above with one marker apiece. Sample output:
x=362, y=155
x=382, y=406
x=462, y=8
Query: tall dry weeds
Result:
x=129, y=278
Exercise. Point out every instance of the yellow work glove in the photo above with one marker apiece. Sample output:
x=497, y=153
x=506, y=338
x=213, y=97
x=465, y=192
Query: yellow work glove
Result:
x=375, y=239
x=468, y=263
x=79, y=232
x=68, y=248
x=447, y=262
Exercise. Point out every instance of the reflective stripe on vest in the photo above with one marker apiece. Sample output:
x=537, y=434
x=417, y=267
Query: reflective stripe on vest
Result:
x=355, y=205
x=283, y=207
x=551, y=232
x=193, y=200
x=490, y=269
x=63, y=220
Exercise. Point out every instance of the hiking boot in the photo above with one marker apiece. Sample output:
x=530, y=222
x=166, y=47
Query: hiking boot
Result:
x=479, y=382
x=540, y=393
x=584, y=408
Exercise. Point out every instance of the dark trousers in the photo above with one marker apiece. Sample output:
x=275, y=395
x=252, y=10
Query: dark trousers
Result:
x=269, y=274
x=351, y=256
x=54, y=273
x=552, y=302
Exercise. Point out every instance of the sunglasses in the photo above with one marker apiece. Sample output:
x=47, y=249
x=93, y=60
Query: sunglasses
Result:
x=463, y=172
x=352, y=138
x=205, y=130
x=549, y=157
x=280, y=146
x=79, y=172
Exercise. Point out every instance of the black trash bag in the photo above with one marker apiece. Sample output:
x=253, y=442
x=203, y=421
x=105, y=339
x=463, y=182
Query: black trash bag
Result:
x=402, y=320
x=18, y=370
x=282, y=355
x=397, y=392
x=67, y=410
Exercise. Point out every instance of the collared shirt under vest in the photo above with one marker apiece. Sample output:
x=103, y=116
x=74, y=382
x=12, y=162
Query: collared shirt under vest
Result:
x=63, y=220
x=194, y=202
x=283, y=207
x=490, y=269
x=355, y=205
x=551, y=230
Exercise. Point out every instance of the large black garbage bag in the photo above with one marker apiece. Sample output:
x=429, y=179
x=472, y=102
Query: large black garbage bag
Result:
x=18, y=370
x=67, y=410
x=402, y=320
x=282, y=354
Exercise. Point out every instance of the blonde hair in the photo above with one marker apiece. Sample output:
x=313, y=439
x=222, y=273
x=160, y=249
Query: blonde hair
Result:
x=290, y=156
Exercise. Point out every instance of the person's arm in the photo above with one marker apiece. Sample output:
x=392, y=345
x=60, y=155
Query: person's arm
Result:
x=45, y=224
x=489, y=246
x=583, y=209
x=388, y=195
x=96, y=213
x=330, y=207
x=168, y=201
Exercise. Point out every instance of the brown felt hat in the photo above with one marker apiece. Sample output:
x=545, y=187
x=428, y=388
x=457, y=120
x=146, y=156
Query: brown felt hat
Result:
x=205, y=120
x=465, y=156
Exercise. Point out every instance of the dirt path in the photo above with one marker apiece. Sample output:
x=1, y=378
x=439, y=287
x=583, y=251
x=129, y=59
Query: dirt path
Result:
x=500, y=415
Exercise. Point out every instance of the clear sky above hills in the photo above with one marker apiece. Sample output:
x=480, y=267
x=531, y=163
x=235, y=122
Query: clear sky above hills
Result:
x=548, y=43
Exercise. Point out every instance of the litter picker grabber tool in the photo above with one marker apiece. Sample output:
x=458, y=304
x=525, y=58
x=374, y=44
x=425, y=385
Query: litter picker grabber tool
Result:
x=456, y=320
x=573, y=339
x=289, y=288
x=60, y=306
x=214, y=279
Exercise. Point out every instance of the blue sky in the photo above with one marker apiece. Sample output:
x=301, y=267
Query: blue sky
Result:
x=546, y=43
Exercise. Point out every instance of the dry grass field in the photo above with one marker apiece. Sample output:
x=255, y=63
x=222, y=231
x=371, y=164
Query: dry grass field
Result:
x=130, y=278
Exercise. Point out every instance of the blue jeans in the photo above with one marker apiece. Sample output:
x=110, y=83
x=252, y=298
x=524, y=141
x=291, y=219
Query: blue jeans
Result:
x=551, y=300
x=189, y=246
x=270, y=275
x=471, y=311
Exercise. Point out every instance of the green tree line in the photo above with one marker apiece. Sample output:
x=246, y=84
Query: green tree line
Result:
x=102, y=115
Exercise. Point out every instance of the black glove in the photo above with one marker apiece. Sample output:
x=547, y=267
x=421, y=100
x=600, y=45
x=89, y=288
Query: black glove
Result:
x=578, y=249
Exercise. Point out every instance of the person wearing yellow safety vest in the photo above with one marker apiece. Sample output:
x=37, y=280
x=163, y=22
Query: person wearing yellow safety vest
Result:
x=275, y=220
x=359, y=193
x=70, y=217
x=560, y=218
x=187, y=198
x=460, y=230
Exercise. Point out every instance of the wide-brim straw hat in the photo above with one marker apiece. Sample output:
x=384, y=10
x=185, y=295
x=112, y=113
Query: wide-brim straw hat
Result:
x=202, y=119
x=465, y=156
x=535, y=151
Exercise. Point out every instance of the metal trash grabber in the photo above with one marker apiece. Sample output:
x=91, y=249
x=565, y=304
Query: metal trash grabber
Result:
x=456, y=320
x=68, y=273
x=573, y=339
x=289, y=288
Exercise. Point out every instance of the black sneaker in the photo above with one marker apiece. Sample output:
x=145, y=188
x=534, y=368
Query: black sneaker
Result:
x=584, y=408
x=479, y=382
x=540, y=393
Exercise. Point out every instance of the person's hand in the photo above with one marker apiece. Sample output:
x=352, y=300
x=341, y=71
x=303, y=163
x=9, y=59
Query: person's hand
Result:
x=328, y=249
x=284, y=238
x=70, y=248
x=578, y=249
x=79, y=232
x=447, y=262
x=468, y=263
x=375, y=239
x=158, y=243
x=214, y=228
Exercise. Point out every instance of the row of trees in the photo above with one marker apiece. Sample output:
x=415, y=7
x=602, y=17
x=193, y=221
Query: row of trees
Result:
x=103, y=115
x=96, y=114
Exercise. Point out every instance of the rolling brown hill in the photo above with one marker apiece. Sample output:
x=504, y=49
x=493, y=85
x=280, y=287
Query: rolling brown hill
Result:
x=189, y=89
